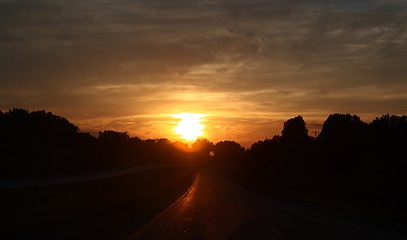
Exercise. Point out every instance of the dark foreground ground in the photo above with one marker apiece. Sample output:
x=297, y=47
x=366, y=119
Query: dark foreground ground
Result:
x=167, y=203
x=370, y=211
x=109, y=208
x=215, y=208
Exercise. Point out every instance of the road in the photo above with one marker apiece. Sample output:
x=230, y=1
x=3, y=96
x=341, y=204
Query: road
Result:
x=214, y=208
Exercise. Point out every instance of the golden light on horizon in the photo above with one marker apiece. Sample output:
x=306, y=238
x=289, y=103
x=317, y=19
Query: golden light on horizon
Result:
x=190, y=127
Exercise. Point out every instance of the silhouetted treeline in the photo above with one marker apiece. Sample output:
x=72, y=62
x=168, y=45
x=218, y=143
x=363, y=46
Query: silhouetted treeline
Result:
x=41, y=144
x=31, y=143
x=350, y=161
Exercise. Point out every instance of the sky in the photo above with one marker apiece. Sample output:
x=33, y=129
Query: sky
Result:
x=246, y=65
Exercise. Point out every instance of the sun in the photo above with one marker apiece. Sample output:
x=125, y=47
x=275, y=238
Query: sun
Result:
x=190, y=126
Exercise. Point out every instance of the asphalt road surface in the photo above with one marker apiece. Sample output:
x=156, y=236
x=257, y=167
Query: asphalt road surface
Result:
x=214, y=208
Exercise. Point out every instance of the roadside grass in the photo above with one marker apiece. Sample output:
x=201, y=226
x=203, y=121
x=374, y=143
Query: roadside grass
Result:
x=48, y=211
x=388, y=218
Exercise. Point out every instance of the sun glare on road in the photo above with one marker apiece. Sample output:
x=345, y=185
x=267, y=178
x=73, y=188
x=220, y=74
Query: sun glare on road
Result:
x=190, y=126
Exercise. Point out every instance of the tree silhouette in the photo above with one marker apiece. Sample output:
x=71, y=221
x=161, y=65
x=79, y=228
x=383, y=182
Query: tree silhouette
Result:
x=113, y=137
x=38, y=143
x=294, y=131
x=388, y=146
x=228, y=152
x=390, y=134
x=341, y=129
x=343, y=140
x=201, y=149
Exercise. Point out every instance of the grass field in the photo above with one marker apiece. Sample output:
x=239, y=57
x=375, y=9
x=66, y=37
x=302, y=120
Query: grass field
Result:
x=388, y=218
x=110, y=206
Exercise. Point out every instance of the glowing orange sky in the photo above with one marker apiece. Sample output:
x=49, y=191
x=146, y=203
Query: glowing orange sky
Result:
x=247, y=65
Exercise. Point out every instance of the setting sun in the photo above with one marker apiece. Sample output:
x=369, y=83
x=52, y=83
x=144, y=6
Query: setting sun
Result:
x=190, y=126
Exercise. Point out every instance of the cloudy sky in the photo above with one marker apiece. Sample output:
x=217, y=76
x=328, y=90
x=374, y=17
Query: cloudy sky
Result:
x=249, y=65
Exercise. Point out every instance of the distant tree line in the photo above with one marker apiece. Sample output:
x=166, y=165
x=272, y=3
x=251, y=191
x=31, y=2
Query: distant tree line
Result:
x=41, y=144
x=349, y=159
